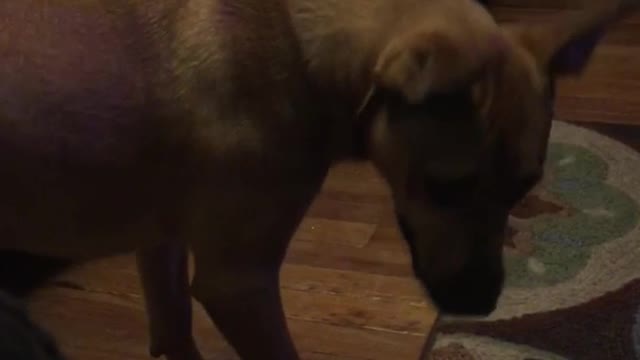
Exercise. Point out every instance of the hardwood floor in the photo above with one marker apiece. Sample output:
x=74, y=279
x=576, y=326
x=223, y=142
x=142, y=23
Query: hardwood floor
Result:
x=347, y=285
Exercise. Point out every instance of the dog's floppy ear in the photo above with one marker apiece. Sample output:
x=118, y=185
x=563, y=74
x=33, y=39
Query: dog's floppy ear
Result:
x=565, y=46
x=436, y=60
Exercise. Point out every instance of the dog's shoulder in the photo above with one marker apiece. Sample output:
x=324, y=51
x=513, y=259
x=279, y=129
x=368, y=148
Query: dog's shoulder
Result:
x=239, y=75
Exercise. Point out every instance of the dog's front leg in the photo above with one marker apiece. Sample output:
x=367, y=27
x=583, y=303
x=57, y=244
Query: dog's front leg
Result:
x=251, y=319
x=163, y=270
x=237, y=274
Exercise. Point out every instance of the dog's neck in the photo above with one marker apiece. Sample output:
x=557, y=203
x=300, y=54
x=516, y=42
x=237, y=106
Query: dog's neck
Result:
x=341, y=41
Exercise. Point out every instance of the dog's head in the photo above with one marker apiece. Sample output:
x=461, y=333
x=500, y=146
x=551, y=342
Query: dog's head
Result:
x=462, y=110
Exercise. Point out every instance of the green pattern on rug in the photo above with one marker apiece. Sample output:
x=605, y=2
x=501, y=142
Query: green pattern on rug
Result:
x=596, y=211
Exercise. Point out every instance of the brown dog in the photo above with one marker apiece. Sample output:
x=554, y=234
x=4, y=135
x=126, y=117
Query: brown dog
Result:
x=158, y=126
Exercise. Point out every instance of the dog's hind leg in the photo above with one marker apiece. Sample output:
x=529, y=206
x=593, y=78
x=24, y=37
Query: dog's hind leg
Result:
x=21, y=273
x=164, y=273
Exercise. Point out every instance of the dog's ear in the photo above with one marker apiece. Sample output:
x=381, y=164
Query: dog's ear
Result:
x=565, y=46
x=423, y=62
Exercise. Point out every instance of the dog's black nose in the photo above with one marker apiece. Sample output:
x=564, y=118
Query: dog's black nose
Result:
x=465, y=304
x=472, y=292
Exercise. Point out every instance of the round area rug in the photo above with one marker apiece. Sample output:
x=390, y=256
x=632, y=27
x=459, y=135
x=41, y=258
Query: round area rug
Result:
x=573, y=263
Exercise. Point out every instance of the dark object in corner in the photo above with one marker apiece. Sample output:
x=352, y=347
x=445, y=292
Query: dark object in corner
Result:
x=20, y=337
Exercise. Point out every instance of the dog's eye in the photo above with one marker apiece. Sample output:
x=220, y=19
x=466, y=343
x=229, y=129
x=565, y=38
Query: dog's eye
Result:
x=450, y=192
